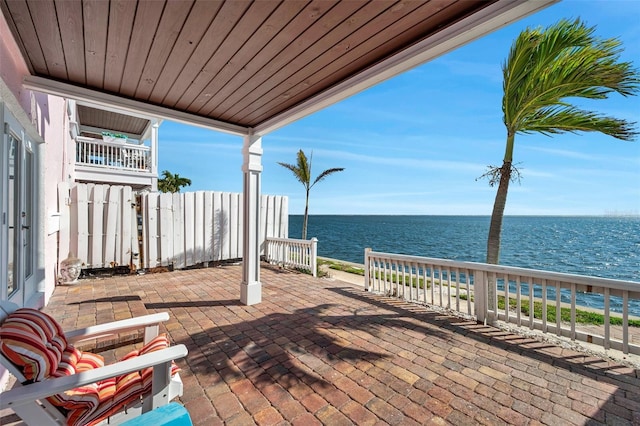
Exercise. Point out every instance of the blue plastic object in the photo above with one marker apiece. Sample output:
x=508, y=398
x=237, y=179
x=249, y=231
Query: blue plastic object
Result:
x=172, y=414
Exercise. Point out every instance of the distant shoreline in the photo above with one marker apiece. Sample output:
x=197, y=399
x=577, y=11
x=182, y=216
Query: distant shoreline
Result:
x=605, y=215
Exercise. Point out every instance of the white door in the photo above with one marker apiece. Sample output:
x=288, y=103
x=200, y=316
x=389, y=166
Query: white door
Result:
x=18, y=214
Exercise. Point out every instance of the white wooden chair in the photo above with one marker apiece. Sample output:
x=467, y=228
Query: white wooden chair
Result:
x=37, y=398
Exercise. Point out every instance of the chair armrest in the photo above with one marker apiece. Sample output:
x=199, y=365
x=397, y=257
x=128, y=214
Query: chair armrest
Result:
x=111, y=328
x=28, y=393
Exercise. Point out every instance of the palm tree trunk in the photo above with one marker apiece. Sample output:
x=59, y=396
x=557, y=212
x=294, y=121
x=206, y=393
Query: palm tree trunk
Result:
x=495, y=228
x=306, y=217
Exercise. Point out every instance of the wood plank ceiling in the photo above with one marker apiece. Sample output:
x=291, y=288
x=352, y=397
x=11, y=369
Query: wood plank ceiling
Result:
x=240, y=62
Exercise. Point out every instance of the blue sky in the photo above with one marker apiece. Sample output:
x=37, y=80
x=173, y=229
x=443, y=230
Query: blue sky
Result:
x=417, y=143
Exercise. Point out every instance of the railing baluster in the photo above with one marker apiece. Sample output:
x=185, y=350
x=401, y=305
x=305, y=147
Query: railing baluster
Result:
x=544, y=305
x=607, y=320
x=457, y=284
x=404, y=280
x=559, y=311
x=625, y=322
x=425, y=289
x=573, y=310
x=433, y=284
x=468, y=288
x=506, y=298
x=518, y=301
x=440, y=286
x=531, y=303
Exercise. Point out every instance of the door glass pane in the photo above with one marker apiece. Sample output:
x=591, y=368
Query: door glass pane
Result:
x=27, y=215
x=11, y=269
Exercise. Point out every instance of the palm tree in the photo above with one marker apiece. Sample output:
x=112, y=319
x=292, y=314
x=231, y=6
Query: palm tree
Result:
x=302, y=172
x=172, y=183
x=544, y=69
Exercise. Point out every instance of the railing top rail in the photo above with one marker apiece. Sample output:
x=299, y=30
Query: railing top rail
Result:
x=94, y=141
x=288, y=240
x=513, y=270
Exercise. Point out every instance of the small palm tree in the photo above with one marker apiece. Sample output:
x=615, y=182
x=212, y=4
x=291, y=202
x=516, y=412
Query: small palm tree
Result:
x=172, y=183
x=544, y=69
x=302, y=172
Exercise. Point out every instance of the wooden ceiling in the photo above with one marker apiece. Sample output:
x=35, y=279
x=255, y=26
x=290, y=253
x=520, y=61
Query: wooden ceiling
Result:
x=239, y=62
x=97, y=120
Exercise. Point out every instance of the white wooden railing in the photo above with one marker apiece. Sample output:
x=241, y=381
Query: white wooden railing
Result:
x=113, y=155
x=293, y=253
x=481, y=290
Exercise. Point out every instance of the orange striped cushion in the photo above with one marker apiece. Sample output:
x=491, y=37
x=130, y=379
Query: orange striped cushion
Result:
x=83, y=400
x=89, y=361
x=129, y=388
x=34, y=342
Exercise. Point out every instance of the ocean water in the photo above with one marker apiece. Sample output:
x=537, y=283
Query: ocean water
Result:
x=607, y=247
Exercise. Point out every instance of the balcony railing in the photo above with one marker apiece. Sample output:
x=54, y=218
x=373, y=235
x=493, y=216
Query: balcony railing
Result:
x=112, y=155
x=293, y=253
x=542, y=300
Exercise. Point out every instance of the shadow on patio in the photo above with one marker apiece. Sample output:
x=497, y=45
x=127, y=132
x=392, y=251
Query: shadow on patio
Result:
x=325, y=352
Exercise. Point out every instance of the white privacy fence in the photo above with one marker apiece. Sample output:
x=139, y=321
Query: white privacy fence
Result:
x=293, y=253
x=98, y=224
x=109, y=225
x=526, y=297
x=185, y=229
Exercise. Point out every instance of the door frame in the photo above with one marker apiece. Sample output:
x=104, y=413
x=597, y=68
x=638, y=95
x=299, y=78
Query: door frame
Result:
x=24, y=200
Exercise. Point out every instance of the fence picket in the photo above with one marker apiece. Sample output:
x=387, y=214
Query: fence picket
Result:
x=129, y=235
x=208, y=226
x=178, y=232
x=111, y=233
x=189, y=227
x=235, y=222
x=151, y=229
x=198, y=243
x=216, y=225
x=166, y=228
x=80, y=222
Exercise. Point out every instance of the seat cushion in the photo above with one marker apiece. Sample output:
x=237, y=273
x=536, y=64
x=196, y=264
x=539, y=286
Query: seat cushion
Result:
x=34, y=342
x=83, y=400
x=127, y=389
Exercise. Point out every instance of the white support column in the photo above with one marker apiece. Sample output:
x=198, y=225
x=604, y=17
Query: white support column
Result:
x=154, y=155
x=251, y=287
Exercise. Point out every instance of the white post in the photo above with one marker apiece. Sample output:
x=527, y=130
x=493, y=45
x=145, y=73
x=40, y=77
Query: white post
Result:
x=314, y=256
x=154, y=156
x=251, y=288
x=480, y=296
x=367, y=268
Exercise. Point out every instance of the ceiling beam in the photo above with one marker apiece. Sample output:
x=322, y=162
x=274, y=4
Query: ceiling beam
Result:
x=491, y=18
x=128, y=106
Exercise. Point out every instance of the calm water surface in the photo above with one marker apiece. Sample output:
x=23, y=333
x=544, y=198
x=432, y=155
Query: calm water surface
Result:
x=607, y=247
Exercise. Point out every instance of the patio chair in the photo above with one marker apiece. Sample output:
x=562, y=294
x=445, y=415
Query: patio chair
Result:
x=59, y=384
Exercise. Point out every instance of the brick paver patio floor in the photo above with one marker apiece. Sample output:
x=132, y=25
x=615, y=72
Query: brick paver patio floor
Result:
x=326, y=352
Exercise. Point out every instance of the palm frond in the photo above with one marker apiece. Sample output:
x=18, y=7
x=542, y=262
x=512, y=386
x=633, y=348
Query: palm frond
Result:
x=559, y=119
x=326, y=173
x=297, y=173
x=546, y=68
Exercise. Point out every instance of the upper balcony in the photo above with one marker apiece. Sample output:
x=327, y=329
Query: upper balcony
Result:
x=118, y=162
x=112, y=147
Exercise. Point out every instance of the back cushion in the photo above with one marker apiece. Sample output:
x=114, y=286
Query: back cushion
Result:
x=33, y=341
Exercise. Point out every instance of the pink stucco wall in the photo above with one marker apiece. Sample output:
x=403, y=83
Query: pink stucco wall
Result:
x=47, y=117
x=12, y=66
